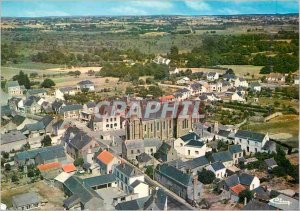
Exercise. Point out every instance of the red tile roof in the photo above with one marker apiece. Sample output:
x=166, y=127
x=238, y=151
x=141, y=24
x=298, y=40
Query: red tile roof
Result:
x=105, y=157
x=237, y=189
x=48, y=166
x=69, y=168
x=166, y=98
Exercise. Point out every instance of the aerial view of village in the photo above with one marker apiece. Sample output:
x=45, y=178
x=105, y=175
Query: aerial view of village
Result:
x=149, y=105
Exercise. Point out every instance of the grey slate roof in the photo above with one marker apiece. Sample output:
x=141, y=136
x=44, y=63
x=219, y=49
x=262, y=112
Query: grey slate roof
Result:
x=292, y=205
x=223, y=133
x=175, y=174
x=33, y=127
x=66, y=89
x=136, y=204
x=257, y=205
x=127, y=170
x=91, y=104
x=223, y=156
x=246, y=179
x=71, y=108
x=194, y=143
x=250, y=135
x=217, y=166
x=196, y=162
x=261, y=194
x=25, y=199
x=12, y=136
x=270, y=162
x=52, y=154
x=80, y=140
x=46, y=120
x=99, y=180
x=232, y=180
x=35, y=91
x=76, y=186
x=189, y=137
x=136, y=183
x=235, y=148
x=143, y=158
x=85, y=82
x=5, y=110
x=12, y=84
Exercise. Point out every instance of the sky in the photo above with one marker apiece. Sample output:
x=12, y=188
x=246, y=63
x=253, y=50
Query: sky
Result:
x=44, y=8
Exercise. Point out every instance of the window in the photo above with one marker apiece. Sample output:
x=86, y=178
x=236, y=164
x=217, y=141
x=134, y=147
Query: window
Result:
x=157, y=126
x=240, y=154
x=138, y=151
x=132, y=151
x=145, y=128
x=181, y=144
x=115, y=119
x=164, y=125
x=235, y=155
x=107, y=125
x=189, y=152
x=151, y=127
x=151, y=150
x=197, y=152
x=115, y=124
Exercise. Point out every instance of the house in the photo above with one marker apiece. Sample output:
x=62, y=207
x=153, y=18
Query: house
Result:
x=13, y=88
x=255, y=86
x=275, y=77
x=57, y=105
x=132, y=148
x=166, y=153
x=105, y=123
x=50, y=170
x=182, y=94
x=144, y=160
x=183, y=80
x=211, y=76
x=13, y=140
x=127, y=175
x=190, y=146
x=257, y=205
x=79, y=143
x=135, y=204
x=240, y=82
x=71, y=111
x=236, y=152
x=107, y=162
x=290, y=203
x=191, y=166
x=224, y=156
x=34, y=130
x=168, y=98
x=88, y=110
x=251, y=142
x=36, y=92
x=46, y=155
x=229, y=77
x=261, y=193
x=247, y=181
x=80, y=195
x=209, y=97
x=218, y=169
x=195, y=88
x=184, y=185
x=140, y=188
x=30, y=106
x=86, y=84
x=69, y=168
x=238, y=96
x=26, y=201
x=60, y=92
x=173, y=70
x=161, y=60
x=270, y=164
x=224, y=135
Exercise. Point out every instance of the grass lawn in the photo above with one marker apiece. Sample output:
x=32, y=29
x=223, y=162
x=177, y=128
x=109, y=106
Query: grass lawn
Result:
x=287, y=102
x=283, y=128
x=242, y=70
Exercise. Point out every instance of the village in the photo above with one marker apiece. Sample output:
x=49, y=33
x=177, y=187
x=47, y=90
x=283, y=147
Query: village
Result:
x=116, y=162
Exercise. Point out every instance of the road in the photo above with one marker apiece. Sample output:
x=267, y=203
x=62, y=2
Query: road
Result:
x=150, y=181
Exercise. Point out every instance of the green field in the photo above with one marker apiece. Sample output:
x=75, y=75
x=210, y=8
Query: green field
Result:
x=245, y=70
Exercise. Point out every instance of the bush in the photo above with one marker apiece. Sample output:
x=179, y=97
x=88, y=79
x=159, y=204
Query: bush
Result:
x=47, y=83
x=7, y=167
x=78, y=162
x=245, y=194
x=206, y=176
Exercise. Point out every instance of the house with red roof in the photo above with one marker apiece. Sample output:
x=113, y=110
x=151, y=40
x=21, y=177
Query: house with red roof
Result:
x=68, y=168
x=50, y=170
x=107, y=161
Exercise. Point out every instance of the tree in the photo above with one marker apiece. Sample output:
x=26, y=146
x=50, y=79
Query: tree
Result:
x=230, y=71
x=46, y=141
x=14, y=178
x=245, y=194
x=129, y=90
x=206, y=176
x=7, y=167
x=5, y=155
x=78, y=162
x=149, y=171
x=22, y=79
x=155, y=91
x=266, y=70
x=47, y=83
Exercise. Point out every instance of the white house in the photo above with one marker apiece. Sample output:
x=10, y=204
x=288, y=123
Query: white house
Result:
x=107, y=161
x=251, y=142
x=184, y=80
x=255, y=86
x=140, y=188
x=126, y=175
x=240, y=82
x=88, y=111
x=218, y=168
x=237, y=96
x=173, y=70
x=106, y=123
x=161, y=60
x=190, y=146
x=182, y=94
x=59, y=93
x=211, y=76
x=86, y=84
